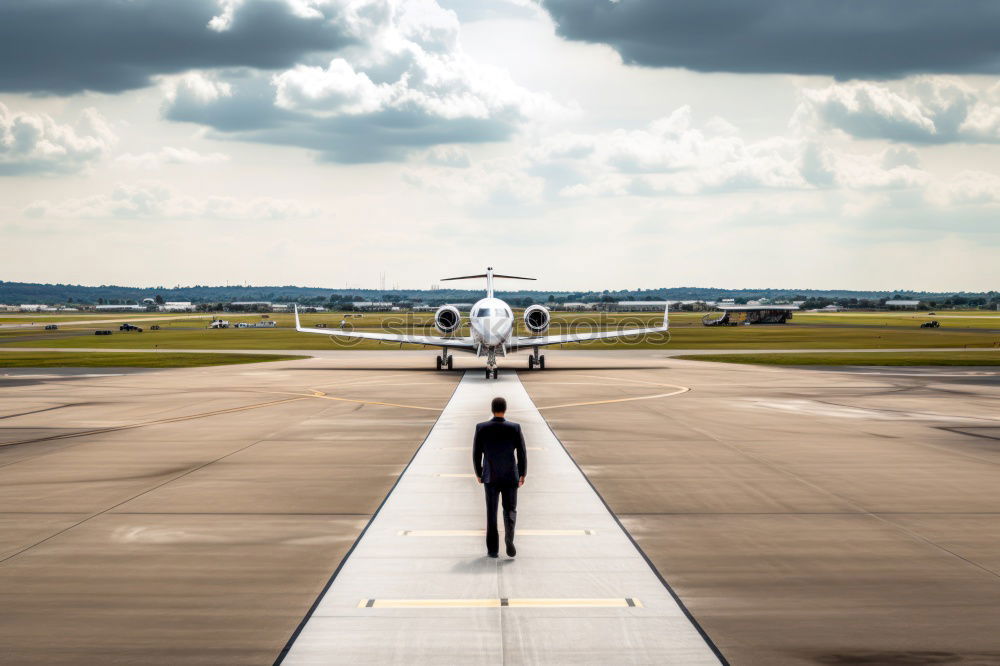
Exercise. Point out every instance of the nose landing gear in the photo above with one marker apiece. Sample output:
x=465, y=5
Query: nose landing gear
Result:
x=444, y=360
x=491, y=363
x=536, y=360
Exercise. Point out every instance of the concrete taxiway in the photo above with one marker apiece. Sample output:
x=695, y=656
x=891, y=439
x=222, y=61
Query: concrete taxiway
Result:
x=578, y=591
x=802, y=516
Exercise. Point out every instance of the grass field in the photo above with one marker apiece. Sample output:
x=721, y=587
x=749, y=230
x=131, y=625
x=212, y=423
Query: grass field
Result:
x=825, y=331
x=127, y=360
x=887, y=358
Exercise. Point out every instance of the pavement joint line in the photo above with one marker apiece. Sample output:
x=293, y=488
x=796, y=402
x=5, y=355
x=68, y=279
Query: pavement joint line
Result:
x=916, y=536
x=131, y=426
x=503, y=602
x=482, y=533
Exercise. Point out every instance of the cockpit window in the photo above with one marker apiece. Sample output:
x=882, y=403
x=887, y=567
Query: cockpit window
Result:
x=484, y=312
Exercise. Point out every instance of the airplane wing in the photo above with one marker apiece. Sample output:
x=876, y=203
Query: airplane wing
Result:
x=542, y=340
x=432, y=340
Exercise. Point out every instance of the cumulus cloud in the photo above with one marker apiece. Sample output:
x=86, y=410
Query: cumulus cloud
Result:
x=155, y=201
x=169, y=156
x=37, y=144
x=67, y=46
x=406, y=84
x=844, y=38
x=924, y=110
x=671, y=157
x=967, y=188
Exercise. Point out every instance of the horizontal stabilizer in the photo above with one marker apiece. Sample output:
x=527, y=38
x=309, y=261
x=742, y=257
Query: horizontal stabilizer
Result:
x=496, y=275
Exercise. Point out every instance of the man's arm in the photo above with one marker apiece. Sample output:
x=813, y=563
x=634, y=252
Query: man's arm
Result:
x=477, y=454
x=522, y=456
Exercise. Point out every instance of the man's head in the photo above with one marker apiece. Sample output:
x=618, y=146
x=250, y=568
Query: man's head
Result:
x=498, y=406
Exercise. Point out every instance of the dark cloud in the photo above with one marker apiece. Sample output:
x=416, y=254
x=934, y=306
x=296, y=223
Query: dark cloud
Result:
x=842, y=38
x=68, y=46
x=244, y=110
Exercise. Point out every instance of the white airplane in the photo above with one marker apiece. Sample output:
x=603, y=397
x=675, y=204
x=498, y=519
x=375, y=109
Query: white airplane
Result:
x=491, y=322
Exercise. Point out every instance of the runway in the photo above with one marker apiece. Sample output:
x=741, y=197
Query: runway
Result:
x=578, y=591
x=802, y=516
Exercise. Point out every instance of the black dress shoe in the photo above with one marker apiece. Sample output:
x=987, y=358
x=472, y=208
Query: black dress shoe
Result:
x=493, y=555
x=511, y=551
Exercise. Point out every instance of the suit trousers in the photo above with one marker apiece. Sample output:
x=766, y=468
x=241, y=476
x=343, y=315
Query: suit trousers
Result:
x=506, y=491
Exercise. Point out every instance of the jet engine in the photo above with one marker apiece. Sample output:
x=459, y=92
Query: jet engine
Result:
x=536, y=319
x=447, y=319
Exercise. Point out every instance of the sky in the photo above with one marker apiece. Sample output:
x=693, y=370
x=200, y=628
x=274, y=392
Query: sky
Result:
x=591, y=144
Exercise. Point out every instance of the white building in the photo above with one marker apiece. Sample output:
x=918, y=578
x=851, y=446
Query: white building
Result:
x=639, y=306
x=177, y=306
x=372, y=306
x=120, y=308
x=902, y=304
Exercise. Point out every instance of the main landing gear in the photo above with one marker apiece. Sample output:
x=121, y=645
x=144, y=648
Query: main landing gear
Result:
x=444, y=360
x=492, y=372
x=536, y=360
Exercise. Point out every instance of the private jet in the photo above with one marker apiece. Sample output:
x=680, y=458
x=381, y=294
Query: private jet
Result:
x=491, y=322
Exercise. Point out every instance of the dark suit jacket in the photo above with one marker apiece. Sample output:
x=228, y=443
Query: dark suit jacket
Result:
x=494, y=448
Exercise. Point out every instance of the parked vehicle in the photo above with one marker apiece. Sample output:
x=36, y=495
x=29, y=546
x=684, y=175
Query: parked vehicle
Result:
x=930, y=324
x=321, y=325
x=154, y=327
x=102, y=332
x=130, y=327
x=219, y=323
x=51, y=327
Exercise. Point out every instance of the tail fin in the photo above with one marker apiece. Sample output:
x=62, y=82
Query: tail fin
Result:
x=298, y=326
x=489, y=275
x=666, y=317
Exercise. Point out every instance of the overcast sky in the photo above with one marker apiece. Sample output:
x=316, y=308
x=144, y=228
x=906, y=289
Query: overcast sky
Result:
x=592, y=144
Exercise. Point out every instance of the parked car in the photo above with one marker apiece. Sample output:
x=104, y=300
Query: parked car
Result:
x=932, y=313
x=930, y=324
x=51, y=327
x=102, y=332
x=154, y=327
x=321, y=325
x=130, y=327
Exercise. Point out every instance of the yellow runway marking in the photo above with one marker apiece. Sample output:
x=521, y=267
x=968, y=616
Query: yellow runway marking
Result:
x=323, y=396
x=500, y=603
x=480, y=533
x=680, y=390
x=469, y=448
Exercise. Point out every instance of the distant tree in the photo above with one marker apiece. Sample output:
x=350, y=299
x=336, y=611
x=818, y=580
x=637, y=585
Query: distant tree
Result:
x=159, y=299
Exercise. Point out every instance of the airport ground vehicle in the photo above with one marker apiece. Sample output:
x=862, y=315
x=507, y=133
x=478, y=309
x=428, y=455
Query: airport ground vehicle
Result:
x=51, y=327
x=930, y=324
x=102, y=332
x=130, y=327
x=219, y=323
x=154, y=327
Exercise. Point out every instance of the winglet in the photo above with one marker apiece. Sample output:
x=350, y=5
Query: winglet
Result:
x=298, y=326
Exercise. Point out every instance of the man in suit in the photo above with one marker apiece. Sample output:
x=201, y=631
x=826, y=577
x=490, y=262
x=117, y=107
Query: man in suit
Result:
x=501, y=464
